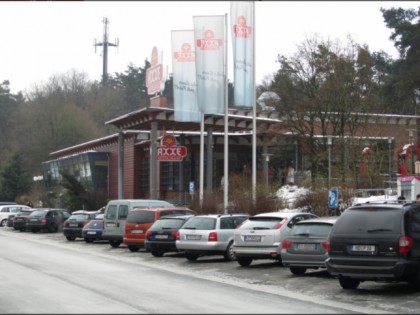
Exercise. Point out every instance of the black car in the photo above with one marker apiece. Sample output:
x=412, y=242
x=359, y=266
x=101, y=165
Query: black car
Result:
x=50, y=219
x=161, y=236
x=72, y=227
x=20, y=219
x=375, y=241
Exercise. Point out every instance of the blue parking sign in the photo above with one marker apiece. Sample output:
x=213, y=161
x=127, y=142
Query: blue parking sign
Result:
x=333, y=198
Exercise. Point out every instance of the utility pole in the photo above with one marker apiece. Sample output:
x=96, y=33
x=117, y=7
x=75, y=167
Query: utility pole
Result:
x=105, y=44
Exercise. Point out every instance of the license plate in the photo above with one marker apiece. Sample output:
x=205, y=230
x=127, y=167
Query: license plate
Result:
x=73, y=225
x=91, y=232
x=363, y=248
x=111, y=224
x=161, y=237
x=252, y=238
x=194, y=237
x=136, y=231
x=305, y=246
x=18, y=219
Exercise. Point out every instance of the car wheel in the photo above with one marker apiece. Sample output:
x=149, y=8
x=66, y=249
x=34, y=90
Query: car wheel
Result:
x=71, y=238
x=348, y=283
x=229, y=254
x=133, y=248
x=191, y=256
x=88, y=240
x=244, y=261
x=3, y=223
x=157, y=253
x=297, y=270
x=114, y=244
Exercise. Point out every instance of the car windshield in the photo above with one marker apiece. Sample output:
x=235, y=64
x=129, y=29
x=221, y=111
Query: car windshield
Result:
x=261, y=223
x=168, y=224
x=200, y=223
x=312, y=229
x=369, y=220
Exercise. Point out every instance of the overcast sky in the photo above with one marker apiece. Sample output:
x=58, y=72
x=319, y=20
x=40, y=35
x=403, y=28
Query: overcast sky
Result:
x=42, y=39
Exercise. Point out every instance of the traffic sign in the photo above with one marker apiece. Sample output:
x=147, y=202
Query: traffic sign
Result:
x=333, y=198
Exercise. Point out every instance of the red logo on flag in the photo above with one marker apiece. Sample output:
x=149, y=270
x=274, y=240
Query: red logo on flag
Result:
x=185, y=55
x=209, y=42
x=241, y=30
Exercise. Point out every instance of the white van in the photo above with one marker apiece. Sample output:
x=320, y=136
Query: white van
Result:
x=116, y=212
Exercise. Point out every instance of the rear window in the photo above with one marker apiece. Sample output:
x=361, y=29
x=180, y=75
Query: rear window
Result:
x=175, y=212
x=168, y=224
x=197, y=223
x=95, y=224
x=261, y=223
x=38, y=213
x=313, y=229
x=79, y=217
x=369, y=220
x=141, y=216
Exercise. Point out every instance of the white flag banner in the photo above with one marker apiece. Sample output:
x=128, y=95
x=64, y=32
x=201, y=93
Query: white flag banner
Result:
x=184, y=76
x=210, y=45
x=242, y=30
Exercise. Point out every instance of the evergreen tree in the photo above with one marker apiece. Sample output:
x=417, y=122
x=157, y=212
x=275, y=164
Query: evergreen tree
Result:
x=14, y=179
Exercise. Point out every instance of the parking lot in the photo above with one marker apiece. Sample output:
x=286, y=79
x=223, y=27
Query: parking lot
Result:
x=265, y=275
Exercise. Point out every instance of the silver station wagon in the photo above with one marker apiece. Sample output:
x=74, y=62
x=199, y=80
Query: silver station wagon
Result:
x=304, y=248
x=210, y=234
x=260, y=236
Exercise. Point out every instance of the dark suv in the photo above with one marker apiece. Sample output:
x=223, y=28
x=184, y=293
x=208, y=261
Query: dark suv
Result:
x=47, y=219
x=375, y=241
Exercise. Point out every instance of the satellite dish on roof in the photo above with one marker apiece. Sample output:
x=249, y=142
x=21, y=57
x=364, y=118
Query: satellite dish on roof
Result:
x=267, y=100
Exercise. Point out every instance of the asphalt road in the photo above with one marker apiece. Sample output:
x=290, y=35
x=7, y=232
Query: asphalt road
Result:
x=45, y=273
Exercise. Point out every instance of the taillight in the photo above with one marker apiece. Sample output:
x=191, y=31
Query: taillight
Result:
x=43, y=221
x=85, y=223
x=213, y=237
x=66, y=224
x=174, y=233
x=148, y=234
x=327, y=244
x=286, y=244
x=280, y=224
x=177, y=236
x=406, y=243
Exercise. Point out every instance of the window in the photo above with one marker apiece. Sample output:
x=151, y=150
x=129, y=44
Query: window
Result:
x=141, y=217
x=227, y=224
x=111, y=214
x=122, y=212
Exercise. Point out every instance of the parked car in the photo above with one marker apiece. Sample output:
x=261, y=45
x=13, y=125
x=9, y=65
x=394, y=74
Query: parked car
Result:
x=116, y=212
x=20, y=219
x=375, y=242
x=210, y=234
x=260, y=236
x=93, y=230
x=304, y=247
x=140, y=220
x=9, y=210
x=50, y=219
x=161, y=236
x=72, y=227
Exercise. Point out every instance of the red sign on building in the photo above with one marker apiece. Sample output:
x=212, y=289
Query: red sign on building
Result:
x=169, y=151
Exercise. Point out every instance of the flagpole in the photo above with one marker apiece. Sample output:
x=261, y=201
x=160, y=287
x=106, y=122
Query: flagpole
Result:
x=226, y=138
x=254, y=116
x=201, y=159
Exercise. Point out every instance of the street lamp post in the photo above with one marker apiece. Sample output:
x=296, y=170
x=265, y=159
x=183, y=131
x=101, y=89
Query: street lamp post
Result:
x=329, y=142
